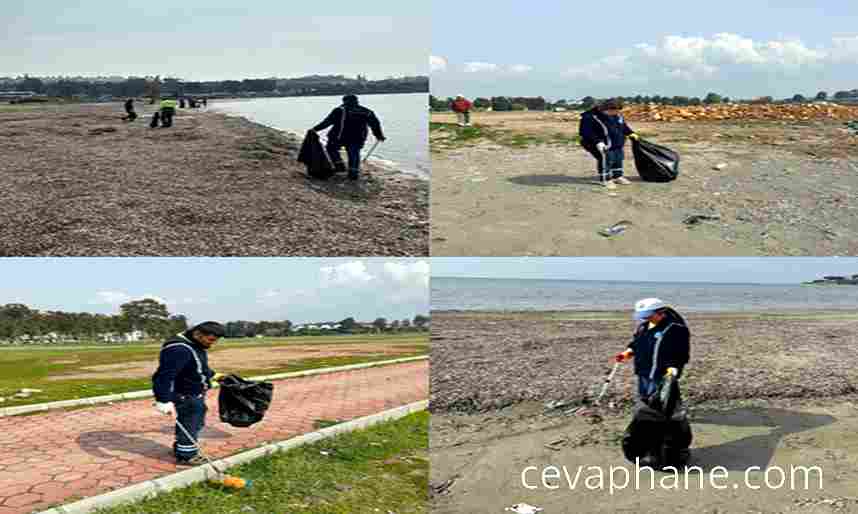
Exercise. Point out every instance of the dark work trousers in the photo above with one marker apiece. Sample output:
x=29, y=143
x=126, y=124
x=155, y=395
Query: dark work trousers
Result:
x=191, y=413
x=167, y=116
x=609, y=165
x=353, y=152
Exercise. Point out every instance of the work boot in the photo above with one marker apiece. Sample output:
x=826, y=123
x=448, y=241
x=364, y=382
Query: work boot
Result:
x=623, y=181
x=353, y=175
x=196, y=460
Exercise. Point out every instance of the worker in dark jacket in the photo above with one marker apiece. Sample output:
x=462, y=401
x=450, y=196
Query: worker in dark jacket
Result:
x=660, y=345
x=603, y=134
x=349, y=128
x=129, y=110
x=181, y=382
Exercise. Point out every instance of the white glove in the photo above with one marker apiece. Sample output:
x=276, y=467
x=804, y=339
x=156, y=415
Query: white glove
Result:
x=601, y=147
x=165, y=408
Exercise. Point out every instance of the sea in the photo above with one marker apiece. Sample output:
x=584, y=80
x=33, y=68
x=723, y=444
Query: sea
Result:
x=491, y=294
x=404, y=119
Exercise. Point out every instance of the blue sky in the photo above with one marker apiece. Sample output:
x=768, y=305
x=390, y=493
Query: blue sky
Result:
x=214, y=39
x=741, y=48
x=762, y=270
x=300, y=290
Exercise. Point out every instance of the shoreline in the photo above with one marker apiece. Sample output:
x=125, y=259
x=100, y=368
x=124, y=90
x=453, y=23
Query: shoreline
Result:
x=484, y=363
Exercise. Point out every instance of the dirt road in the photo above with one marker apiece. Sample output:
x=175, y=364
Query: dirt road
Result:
x=784, y=191
x=78, y=181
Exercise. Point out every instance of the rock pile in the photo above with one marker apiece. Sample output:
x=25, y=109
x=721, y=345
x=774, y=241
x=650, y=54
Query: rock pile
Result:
x=744, y=112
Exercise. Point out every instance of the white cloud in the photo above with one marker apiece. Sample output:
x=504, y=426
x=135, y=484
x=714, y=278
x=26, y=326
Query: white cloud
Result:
x=480, y=67
x=354, y=273
x=692, y=58
x=437, y=63
x=414, y=274
x=111, y=298
x=520, y=68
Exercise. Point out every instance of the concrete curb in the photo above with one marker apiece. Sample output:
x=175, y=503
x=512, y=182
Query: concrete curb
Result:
x=136, y=395
x=149, y=488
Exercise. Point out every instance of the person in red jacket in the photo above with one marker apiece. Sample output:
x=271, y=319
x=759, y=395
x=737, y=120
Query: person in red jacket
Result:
x=462, y=107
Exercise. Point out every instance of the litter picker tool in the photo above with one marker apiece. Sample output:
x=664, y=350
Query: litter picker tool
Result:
x=607, y=383
x=371, y=150
x=223, y=479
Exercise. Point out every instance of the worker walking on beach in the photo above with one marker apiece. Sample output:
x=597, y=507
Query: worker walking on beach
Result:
x=129, y=110
x=180, y=386
x=660, y=345
x=603, y=134
x=350, y=124
x=168, y=110
x=462, y=107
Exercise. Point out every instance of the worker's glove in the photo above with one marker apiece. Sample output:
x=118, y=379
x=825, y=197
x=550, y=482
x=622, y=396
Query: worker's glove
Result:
x=218, y=377
x=635, y=136
x=601, y=147
x=165, y=408
x=624, y=356
x=671, y=372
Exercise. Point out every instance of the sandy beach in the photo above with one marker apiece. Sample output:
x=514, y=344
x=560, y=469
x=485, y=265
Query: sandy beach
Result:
x=762, y=389
x=77, y=180
x=783, y=190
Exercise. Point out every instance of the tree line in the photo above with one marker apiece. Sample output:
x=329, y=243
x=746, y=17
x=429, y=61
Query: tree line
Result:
x=503, y=103
x=20, y=323
x=133, y=87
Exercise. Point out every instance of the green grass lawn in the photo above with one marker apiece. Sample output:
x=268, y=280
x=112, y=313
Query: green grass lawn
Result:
x=41, y=367
x=451, y=136
x=378, y=470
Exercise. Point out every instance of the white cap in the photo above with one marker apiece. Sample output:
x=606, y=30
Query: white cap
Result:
x=647, y=307
x=460, y=96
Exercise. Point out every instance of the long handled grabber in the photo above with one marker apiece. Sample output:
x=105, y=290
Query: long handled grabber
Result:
x=223, y=479
x=371, y=150
x=607, y=383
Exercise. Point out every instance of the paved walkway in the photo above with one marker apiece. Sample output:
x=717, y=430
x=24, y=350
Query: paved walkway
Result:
x=58, y=457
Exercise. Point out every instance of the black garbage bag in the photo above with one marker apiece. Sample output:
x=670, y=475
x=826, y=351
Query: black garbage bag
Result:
x=243, y=402
x=655, y=163
x=652, y=433
x=314, y=156
x=666, y=396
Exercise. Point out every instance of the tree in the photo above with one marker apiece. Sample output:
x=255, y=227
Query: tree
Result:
x=348, y=324
x=712, y=98
x=394, y=325
x=799, y=98
x=841, y=95
x=482, y=103
x=420, y=321
x=588, y=102
x=501, y=103
x=147, y=314
x=822, y=96
x=32, y=84
x=380, y=324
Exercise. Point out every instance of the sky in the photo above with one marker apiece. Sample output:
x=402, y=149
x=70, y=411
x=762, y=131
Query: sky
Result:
x=738, y=48
x=759, y=270
x=214, y=39
x=301, y=290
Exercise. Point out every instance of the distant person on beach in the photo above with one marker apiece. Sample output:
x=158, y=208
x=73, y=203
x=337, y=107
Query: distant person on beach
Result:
x=350, y=123
x=205, y=102
x=660, y=345
x=129, y=110
x=168, y=110
x=603, y=134
x=462, y=107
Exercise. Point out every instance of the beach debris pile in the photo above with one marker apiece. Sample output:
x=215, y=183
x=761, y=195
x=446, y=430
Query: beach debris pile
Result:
x=744, y=112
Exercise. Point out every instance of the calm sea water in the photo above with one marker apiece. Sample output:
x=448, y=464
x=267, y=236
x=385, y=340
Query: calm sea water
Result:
x=404, y=118
x=515, y=294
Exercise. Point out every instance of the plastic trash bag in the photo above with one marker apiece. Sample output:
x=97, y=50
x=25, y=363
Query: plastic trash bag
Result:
x=243, y=402
x=655, y=163
x=315, y=158
x=652, y=433
x=666, y=396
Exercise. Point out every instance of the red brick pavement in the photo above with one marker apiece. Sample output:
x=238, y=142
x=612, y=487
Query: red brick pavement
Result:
x=57, y=457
